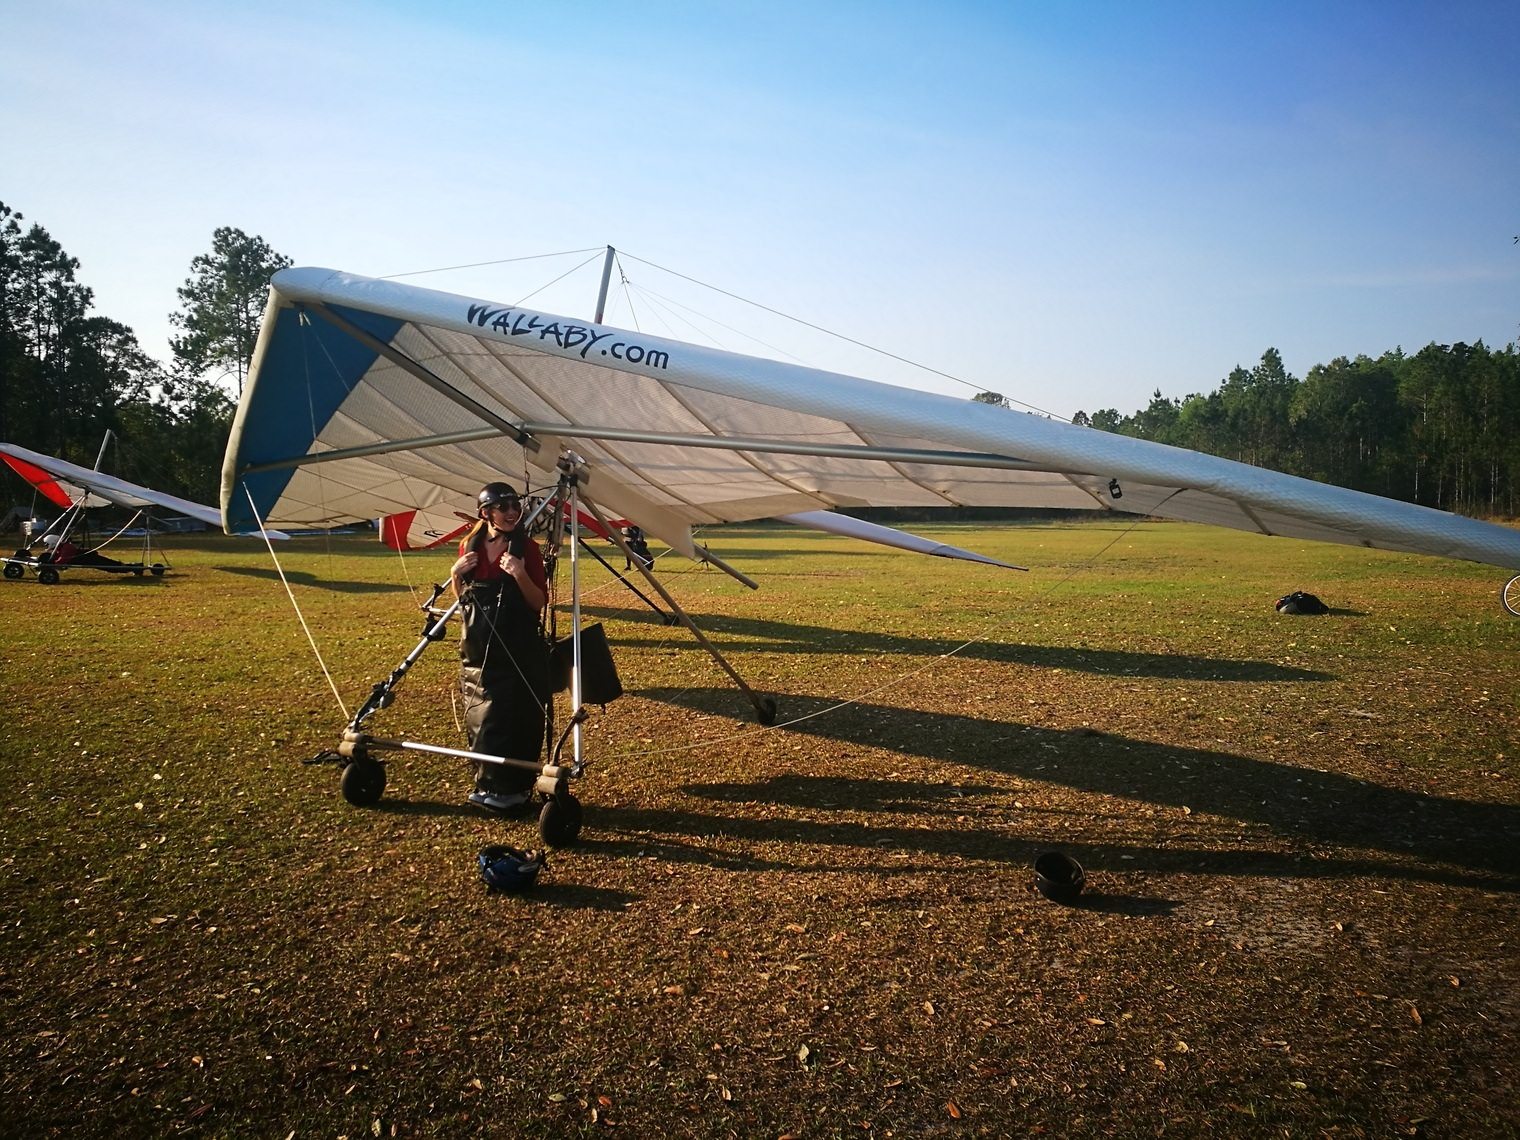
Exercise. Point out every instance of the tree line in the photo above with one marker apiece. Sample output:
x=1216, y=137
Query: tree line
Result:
x=1439, y=427
x=69, y=374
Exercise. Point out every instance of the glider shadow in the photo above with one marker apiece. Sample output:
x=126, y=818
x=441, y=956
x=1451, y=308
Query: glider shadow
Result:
x=306, y=578
x=1323, y=808
x=787, y=637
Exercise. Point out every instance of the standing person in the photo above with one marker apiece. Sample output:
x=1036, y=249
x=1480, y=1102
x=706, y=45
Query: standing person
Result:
x=634, y=537
x=504, y=662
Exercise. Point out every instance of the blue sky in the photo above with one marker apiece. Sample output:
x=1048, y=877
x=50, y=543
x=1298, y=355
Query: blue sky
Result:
x=1073, y=204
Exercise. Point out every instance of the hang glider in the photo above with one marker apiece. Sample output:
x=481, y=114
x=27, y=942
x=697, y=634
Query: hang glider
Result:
x=429, y=529
x=369, y=398
x=66, y=484
x=74, y=489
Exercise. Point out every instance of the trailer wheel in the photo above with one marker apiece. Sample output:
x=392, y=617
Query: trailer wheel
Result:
x=363, y=782
x=47, y=576
x=560, y=821
x=13, y=570
x=158, y=569
x=766, y=713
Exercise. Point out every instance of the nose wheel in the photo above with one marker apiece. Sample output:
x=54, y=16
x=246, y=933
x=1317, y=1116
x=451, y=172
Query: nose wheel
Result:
x=363, y=782
x=559, y=823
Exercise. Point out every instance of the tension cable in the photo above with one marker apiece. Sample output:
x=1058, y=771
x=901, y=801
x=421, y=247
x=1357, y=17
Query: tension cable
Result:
x=312, y=641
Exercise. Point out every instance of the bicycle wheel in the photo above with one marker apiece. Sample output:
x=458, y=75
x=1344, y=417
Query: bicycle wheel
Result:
x=1510, y=595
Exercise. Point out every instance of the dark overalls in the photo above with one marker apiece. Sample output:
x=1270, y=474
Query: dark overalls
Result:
x=504, y=681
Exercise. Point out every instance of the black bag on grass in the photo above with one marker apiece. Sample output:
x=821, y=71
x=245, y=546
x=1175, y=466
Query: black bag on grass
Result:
x=599, y=676
x=1299, y=602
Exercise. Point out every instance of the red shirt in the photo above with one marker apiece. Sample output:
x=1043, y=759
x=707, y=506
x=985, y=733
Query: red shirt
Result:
x=489, y=571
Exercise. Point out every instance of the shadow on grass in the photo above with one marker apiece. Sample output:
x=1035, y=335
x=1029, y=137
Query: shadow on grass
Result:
x=306, y=578
x=429, y=808
x=789, y=637
x=1328, y=809
x=92, y=576
x=1135, y=906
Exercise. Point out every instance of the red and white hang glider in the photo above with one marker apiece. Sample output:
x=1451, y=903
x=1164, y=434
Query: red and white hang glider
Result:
x=66, y=485
x=410, y=398
x=428, y=529
x=72, y=489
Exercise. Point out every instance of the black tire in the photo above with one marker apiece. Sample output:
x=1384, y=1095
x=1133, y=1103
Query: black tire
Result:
x=14, y=570
x=158, y=569
x=560, y=822
x=47, y=576
x=1510, y=595
x=363, y=782
x=138, y=572
x=766, y=713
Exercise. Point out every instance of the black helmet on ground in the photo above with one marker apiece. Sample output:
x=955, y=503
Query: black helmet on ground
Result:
x=1059, y=877
x=509, y=869
x=496, y=495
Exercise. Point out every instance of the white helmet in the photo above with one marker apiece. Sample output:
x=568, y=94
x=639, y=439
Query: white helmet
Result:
x=50, y=540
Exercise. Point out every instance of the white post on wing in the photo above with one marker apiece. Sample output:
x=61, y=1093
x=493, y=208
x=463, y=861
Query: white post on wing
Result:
x=601, y=300
x=101, y=457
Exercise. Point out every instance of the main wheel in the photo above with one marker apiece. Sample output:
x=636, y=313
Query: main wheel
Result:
x=766, y=713
x=1510, y=595
x=560, y=821
x=14, y=570
x=363, y=782
x=158, y=569
x=47, y=576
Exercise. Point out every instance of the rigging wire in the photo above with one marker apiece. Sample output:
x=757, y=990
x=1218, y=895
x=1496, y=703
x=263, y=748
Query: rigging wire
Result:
x=499, y=261
x=674, y=304
x=841, y=336
x=560, y=278
x=280, y=570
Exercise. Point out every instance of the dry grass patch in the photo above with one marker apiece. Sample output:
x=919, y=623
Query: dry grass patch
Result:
x=1299, y=837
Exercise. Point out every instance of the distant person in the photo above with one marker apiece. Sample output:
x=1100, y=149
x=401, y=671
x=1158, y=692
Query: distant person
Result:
x=634, y=537
x=503, y=659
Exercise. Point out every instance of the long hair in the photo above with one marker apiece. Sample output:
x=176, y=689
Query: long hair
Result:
x=474, y=536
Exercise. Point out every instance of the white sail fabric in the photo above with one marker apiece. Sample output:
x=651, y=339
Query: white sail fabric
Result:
x=888, y=536
x=370, y=398
x=96, y=488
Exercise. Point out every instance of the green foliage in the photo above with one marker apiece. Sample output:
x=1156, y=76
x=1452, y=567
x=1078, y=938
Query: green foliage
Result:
x=996, y=399
x=68, y=375
x=1441, y=427
x=64, y=371
x=223, y=303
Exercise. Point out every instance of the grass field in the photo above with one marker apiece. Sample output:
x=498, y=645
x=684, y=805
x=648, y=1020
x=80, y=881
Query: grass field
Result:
x=1301, y=836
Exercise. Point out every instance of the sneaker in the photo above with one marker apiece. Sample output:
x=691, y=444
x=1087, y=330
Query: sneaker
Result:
x=509, y=803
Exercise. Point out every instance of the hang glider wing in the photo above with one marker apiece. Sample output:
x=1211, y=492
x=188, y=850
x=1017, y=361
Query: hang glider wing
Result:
x=72, y=481
x=61, y=496
x=888, y=536
x=64, y=484
x=442, y=526
x=370, y=398
x=425, y=530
